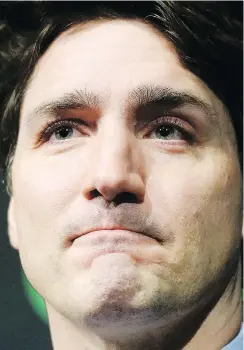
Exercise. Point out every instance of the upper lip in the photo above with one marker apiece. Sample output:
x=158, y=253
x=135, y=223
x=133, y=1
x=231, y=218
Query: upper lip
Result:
x=118, y=227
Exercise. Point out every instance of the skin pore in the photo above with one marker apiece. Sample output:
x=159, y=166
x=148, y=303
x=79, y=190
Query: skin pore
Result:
x=107, y=164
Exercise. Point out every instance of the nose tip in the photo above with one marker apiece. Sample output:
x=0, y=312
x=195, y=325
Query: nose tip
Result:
x=130, y=188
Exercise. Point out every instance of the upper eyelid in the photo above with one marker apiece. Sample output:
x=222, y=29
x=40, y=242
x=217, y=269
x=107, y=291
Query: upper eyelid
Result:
x=50, y=126
x=79, y=121
x=175, y=121
x=60, y=122
x=47, y=132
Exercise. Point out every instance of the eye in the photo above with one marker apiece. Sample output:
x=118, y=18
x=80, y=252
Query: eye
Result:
x=168, y=132
x=64, y=132
x=171, y=128
x=61, y=130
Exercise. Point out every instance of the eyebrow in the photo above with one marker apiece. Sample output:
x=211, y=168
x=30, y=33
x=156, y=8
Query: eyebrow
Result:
x=78, y=99
x=143, y=96
x=170, y=99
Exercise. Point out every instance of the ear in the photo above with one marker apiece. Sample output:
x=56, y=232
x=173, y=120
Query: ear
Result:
x=12, y=227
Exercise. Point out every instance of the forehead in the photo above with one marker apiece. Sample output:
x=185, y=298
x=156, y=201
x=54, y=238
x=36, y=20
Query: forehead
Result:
x=110, y=58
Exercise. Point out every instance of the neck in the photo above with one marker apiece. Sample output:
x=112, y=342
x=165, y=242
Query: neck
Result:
x=221, y=324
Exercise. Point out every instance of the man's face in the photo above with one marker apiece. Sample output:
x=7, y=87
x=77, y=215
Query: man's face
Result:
x=107, y=164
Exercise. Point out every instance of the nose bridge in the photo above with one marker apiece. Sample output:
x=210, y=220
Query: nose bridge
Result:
x=114, y=148
x=115, y=161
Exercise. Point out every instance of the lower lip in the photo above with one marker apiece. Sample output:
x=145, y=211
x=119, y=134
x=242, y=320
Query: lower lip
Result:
x=141, y=248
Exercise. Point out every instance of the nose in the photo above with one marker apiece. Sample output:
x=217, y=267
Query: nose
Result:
x=115, y=170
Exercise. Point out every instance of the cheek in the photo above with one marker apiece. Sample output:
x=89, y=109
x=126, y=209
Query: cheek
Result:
x=42, y=191
x=200, y=203
x=47, y=181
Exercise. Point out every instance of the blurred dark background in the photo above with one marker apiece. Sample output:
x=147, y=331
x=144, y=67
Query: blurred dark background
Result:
x=20, y=327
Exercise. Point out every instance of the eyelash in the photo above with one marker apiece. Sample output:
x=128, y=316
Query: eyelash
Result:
x=50, y=127
x=185, y=129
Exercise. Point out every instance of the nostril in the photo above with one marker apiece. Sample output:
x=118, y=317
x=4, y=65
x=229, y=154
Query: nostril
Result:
x=122, y=197
x=94, y=193
x=125, y=197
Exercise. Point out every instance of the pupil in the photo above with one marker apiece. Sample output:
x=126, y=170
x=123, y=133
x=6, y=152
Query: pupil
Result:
x=165, y=130
x=63, y=132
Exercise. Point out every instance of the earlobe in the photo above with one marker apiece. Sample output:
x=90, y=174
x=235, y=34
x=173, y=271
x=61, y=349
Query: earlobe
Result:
x=12, y=227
